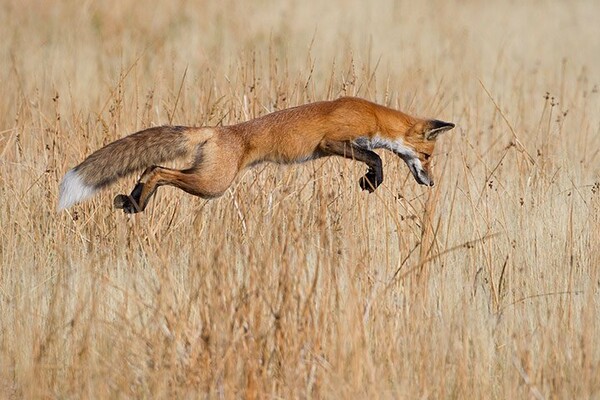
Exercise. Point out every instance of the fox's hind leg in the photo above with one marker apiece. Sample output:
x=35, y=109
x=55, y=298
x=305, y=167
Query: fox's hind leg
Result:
x=140, y=195
x=209, y=177
x=374, y=175
x=201, y=182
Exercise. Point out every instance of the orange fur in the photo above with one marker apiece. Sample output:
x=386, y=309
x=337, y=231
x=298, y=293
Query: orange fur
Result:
x=346, y=127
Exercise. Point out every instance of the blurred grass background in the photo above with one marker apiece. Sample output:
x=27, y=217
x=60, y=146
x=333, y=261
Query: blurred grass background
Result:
x=295, y=284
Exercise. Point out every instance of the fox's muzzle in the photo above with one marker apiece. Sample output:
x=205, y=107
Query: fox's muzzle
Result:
x=422, y=178
x=420, y=175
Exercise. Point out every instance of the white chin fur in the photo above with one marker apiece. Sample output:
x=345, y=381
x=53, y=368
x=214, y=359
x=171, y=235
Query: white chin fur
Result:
x=73, y=190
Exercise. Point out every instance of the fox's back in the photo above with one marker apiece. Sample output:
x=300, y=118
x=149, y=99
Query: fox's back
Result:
x=292, y=134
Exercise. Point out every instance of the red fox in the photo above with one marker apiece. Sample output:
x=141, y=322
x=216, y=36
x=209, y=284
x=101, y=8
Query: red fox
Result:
x=347, y=127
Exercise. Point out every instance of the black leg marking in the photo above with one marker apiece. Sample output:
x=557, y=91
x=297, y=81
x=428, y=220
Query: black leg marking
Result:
x=130, y=204
x=374, y=176
x=372, y=179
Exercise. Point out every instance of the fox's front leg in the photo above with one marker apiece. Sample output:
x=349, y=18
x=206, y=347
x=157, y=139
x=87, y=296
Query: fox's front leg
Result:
x=374, y=176
x=371, y=180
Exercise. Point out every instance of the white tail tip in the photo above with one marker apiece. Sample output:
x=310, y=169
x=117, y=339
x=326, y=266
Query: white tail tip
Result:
x=73, y=190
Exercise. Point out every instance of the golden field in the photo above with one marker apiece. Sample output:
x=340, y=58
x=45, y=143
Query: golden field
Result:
x=295, y=284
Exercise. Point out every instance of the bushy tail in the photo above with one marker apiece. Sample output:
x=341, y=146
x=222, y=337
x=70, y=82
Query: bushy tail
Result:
x=122, y=157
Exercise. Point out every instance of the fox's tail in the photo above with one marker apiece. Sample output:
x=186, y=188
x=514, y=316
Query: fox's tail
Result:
x=127, y=155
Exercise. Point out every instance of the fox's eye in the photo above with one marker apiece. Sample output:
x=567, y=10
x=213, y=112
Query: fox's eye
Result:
x=426, y=156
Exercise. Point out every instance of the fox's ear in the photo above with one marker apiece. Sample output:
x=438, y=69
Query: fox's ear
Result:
x=435, y=127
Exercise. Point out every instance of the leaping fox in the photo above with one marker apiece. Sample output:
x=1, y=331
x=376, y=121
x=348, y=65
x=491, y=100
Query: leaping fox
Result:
x=347, y=127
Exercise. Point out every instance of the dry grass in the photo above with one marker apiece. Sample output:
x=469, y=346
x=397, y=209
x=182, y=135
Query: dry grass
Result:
x=295, y=284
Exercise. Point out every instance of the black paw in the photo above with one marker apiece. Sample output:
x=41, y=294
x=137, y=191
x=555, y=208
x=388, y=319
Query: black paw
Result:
x=127, y=204
x=372, y=179
x=369, y=182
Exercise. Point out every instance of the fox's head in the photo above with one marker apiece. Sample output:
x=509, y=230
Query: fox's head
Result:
x=417, y=147
x=413, y=141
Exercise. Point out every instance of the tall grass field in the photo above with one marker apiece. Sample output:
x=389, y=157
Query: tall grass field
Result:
x=295, y=283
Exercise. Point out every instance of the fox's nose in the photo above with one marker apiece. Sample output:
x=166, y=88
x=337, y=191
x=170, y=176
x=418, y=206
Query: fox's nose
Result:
x=431, y=183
